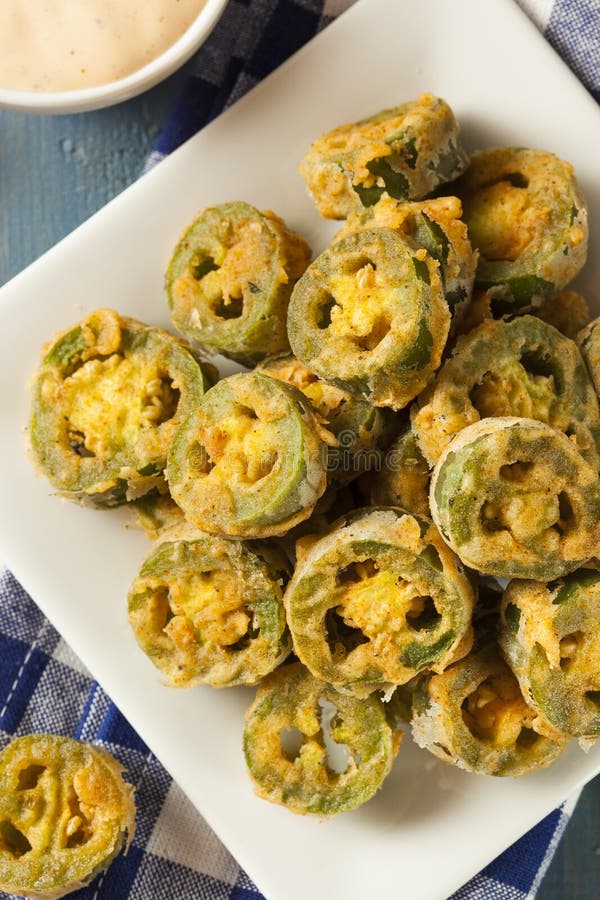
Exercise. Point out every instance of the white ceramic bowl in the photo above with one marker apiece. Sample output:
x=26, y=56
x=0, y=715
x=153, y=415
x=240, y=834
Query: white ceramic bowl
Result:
x=125, y=88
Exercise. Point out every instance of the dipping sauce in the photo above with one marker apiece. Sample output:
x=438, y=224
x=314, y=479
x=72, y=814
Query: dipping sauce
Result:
x=62, y=45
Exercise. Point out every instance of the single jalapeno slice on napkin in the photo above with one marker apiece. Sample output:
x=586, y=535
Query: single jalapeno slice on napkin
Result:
x=404, y=152
x=229, y=281
x=403, y=479
x=292, y=730
x=515, y=499
x=527, y=217
x=107, y=399
x=369, y=316
x=65, y=814
x=550, y=635
x=436, y=226
x=209, y=610
x=377, y=600
x=523, y=368
x=474, y=716
x=362, y=431
x=251, y=460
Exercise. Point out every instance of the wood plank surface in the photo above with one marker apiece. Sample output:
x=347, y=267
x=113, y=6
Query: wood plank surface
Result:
x=55, y=172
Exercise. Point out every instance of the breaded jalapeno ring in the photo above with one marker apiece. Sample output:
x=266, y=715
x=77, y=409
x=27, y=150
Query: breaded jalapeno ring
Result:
x=251, y=460
x=404, y=152
x=362, y=431
x=230, y=278
x=335, y=502
x=369, y=315
x=520, y=368
x=527, y=217
x=550, y=636
x=107, y=399
x=568, y=312
x=377, y=600
x=286, y=751
x=404, y=477
x=210, y=610
x=65, y=814
x=474, y=716
x=589, y=344
x=434, y=225
x=515, y=499
x=155, y=514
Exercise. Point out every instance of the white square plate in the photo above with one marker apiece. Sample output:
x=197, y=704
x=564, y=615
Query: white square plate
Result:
x=431, y=827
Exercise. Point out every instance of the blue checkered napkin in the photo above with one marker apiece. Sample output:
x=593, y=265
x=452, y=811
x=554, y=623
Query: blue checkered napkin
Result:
x=573, y=29
x=44, y=687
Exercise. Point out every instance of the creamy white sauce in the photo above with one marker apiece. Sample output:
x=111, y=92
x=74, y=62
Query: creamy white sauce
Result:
x=62, y=45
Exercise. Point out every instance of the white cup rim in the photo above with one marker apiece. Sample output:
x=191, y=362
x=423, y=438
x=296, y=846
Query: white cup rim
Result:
x=81, y=99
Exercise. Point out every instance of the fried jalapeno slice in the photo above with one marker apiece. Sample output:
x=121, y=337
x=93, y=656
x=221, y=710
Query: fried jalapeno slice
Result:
x=335, y=502
x=568, y=312
x=404, y=477
x=65, y=814
x=294, y=727
x=230, y=278
x=589, y=344
x=522, y=368
x=515, y=499
x=251, y=460
x=107, y=399
x=208, y=610
x=437, y=227
x=369, y=316
x=362, y=431
x=377, y=600
x=404, y=153
x=527, y=217
x=474, y=716
x=155, y=514
x=550, y=636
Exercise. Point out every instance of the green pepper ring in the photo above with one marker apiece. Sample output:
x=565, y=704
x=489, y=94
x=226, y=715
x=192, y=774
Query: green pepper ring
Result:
x=523, y=367
x=229, y=281
x=369, y=316
x=404, y=477
x=437, y=227
x=549, y=636
x=207, y=610
x=301, y=778
x=106, y=466
x=445, y=723
x=404, y=152
x=362, y=431
x=546, y=245
x=515, y=499
x=65, y=814
x=376, y=600
x=250, y=461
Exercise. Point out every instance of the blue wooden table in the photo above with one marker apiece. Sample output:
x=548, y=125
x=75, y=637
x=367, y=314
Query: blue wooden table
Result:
x=55, y=172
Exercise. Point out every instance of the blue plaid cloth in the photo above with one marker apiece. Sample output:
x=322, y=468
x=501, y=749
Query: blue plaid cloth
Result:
x=44, y=686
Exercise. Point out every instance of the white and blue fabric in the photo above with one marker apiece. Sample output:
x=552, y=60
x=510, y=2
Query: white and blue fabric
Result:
x=45, y=688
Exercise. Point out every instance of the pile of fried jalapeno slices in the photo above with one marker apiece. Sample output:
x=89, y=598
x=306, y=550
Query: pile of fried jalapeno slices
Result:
x=418, y=418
